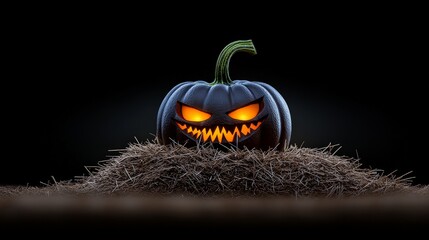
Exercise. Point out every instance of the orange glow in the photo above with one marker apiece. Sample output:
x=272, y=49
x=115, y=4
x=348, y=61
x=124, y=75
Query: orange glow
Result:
x=181, y=126
x=219, y=133
x=245, y=113
x=194, y=115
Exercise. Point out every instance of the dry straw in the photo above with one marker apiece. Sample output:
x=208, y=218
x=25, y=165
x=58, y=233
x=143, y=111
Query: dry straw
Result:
x=151, y=168
x=205, y=171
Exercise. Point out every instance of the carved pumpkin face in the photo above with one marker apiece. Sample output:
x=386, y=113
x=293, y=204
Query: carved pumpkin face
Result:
x=240, y=112
x=223, y=122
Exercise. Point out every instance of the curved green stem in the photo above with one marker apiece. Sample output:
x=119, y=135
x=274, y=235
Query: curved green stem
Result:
x=222, y=64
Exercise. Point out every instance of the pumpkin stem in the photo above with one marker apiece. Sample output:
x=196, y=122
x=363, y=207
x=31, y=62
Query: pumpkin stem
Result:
x=222, y=64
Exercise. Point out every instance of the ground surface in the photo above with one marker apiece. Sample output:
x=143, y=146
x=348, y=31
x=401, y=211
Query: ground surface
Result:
x=157, y=186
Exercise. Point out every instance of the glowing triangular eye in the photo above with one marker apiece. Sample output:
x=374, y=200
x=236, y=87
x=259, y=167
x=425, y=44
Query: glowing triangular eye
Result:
x=245, y=113
x=194, y=115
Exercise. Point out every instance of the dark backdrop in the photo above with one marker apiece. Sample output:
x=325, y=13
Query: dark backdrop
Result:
x=84, y=84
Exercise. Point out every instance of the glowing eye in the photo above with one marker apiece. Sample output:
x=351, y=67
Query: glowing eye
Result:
x=245, y=113
x=194, y=115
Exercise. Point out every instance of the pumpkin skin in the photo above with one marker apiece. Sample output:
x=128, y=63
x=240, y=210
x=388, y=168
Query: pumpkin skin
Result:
x=240, y=113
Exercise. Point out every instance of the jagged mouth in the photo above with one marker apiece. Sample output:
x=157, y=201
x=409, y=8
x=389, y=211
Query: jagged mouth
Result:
x=222, y=133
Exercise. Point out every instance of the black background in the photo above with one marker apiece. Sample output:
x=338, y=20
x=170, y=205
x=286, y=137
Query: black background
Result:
x=81, y=84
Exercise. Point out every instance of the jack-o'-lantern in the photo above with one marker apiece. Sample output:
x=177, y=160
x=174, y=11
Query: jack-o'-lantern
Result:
x=225, y=112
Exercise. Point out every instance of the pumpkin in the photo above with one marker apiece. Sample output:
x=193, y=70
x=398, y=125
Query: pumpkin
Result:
x=225, y=112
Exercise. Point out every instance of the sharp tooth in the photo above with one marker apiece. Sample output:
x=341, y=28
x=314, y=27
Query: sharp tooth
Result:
x=195, y=131
x=206, y=134
x=236, y=133
x=245, y=130
x=254, y=127
x=229, y=136
x=189, y=129
x=216, y=134
x=181, y=126
x=223, y=133
x=198, y=134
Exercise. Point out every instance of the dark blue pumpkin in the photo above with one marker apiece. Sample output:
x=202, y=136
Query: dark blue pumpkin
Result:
x=225, y=112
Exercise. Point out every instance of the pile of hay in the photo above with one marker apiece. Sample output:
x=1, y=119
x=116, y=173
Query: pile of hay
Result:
x=205, y=171
x=151, y=168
